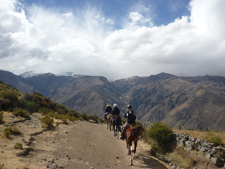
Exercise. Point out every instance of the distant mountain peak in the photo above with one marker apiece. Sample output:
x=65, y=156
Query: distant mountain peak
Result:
x=68, y=74
x=28, y=74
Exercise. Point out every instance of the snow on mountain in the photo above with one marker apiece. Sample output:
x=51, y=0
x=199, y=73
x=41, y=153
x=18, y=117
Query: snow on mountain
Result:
x=28, y=74
x=68, y=74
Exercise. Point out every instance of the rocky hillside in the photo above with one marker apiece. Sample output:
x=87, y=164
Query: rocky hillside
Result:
x=186, y=102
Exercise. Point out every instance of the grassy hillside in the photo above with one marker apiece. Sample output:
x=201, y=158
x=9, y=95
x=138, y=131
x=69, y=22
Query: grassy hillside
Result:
x=23, y=105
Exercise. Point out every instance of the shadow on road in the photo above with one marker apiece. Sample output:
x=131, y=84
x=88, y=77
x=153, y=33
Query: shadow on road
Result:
x=148, y=162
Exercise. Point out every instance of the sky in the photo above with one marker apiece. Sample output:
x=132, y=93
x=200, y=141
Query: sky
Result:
x=113, y=38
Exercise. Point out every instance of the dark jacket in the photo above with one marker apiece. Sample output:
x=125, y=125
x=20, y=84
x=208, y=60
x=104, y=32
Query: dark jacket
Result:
x=115, y=111
x=131, y=117
x=108, y=109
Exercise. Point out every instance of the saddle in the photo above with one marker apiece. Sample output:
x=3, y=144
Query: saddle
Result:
x=129, y=126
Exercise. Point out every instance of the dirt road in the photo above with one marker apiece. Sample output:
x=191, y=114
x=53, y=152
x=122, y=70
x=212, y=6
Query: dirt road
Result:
x=81, y=145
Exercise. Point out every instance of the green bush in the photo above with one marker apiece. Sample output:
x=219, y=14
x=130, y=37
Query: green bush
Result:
x=18, y=146
x=21, y=112
x=74, y=113
x=84, y=116
x=32, y=106
x=139, y=123
x=1, y=117
x=101, y=120
x=10, y=100
x=27, y=97
x=7, y=132
x=47, y=122
x=93, y=117
x=45, y=111
x=124, y=121
x=162, y=135
x=214, y=139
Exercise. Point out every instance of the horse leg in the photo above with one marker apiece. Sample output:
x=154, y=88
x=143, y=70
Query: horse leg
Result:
x=131, y=158
x=117, y=131
x=135, y=146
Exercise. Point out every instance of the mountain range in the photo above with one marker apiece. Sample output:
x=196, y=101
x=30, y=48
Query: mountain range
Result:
x=180, y=102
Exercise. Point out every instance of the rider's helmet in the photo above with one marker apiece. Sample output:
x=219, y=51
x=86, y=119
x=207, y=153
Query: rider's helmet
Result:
x=115, y=105
x=129, y=106
x=108, y=104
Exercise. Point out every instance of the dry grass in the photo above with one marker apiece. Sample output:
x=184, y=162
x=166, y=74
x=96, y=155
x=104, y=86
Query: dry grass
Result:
x=11, y=131
x=182, y=162
x=201, y=134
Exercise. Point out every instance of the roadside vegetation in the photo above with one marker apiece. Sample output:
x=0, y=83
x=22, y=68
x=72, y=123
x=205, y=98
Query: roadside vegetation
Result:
x=23, y=105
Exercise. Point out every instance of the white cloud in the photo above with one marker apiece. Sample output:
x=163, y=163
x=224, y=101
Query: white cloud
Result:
x=79, y=41
x=135, y=16
x=68, y=14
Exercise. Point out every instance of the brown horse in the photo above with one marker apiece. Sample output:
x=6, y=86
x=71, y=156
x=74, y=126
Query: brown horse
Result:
x=132, y=135
x=108, y=121
x=116, y=122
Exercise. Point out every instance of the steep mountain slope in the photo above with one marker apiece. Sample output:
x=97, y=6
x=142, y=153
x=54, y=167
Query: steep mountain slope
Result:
x=186, y=102
x=196, y=102
x=15, y=81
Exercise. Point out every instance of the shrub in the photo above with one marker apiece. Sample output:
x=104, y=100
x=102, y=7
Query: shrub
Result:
x=93, y=117
x=139, y=123
x=11, y=131
x=214, y=139
x=10, y=100
x=47, y=122
x=124, y=121
x=18, y=146
x=101, y=120
x=37, y=93
x=21, y=112
x=1, y=166
x=162, y=135
x=74, y=113
x=1, y=118
x=27, y=97
x=7, y=132
x=84, y=116
x=45, y=111
x=32, y=106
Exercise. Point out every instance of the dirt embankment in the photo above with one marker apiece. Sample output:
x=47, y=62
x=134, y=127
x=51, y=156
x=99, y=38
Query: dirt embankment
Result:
x=82, y=145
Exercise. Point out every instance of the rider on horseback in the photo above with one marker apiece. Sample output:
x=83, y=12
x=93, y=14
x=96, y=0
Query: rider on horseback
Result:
x=108, y=110
x=131, y=117
x=115, y=111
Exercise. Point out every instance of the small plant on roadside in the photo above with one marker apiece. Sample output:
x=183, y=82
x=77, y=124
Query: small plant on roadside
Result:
x=23, y=140
x=7, y=132
x=162, y=135
x=93, y=117
x=1, y=118
x=101, y=121
x=11, y=131
x=18, y=146
x=64, y=120
x=1, y=166
x=47, y=122
x=84, y=116
x=214, y=139
x=21, y=112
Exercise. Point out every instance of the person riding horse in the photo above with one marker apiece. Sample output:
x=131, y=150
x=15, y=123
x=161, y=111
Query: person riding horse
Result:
x=131, y=117
x=108, y=110
x=115, y=112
